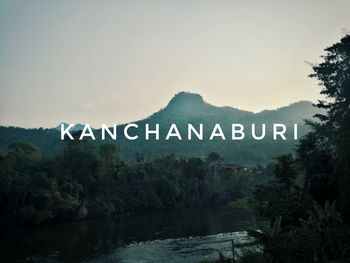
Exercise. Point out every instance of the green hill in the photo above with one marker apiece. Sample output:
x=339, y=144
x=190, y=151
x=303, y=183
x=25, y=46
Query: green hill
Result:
x=182, y=109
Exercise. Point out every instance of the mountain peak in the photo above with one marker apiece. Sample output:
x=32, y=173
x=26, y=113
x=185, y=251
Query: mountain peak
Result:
x=184, y=98
x=77, y=127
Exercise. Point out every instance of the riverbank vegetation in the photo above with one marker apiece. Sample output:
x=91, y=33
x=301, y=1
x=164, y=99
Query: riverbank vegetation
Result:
x=88, y=181
x=307, y=203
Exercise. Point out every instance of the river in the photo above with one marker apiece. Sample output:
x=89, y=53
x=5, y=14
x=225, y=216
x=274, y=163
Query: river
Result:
x=178, y=235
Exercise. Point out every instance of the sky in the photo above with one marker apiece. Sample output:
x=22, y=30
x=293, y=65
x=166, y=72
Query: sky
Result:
x=119, y=61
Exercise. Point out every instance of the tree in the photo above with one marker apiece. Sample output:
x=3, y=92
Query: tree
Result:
x=281, y=196
x=285, y=171
x=333, y=75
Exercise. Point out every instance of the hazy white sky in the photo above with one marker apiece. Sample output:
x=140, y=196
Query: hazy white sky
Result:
x=116, y=61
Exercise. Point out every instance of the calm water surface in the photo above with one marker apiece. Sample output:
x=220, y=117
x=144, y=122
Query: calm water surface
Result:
x=180, y=235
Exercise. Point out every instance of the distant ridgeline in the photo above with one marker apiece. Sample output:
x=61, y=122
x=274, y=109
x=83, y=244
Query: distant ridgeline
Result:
x=184, y=109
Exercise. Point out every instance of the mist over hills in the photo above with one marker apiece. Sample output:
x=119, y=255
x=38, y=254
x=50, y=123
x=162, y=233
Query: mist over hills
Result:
x=182, y=109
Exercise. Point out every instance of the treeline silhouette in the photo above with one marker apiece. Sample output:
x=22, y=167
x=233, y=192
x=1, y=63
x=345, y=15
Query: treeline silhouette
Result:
x=85, y=180
x=307, y=203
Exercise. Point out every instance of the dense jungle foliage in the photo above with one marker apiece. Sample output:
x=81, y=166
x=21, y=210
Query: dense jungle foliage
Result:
x=307, y=203
x=84, y=180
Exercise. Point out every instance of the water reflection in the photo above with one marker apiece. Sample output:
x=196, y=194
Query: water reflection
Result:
x=112, y=239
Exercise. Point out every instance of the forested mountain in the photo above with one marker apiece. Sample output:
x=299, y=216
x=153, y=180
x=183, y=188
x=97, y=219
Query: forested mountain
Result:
x=186, y=108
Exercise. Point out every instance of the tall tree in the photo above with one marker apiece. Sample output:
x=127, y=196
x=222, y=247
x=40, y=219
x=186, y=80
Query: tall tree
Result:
x=333, y=75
